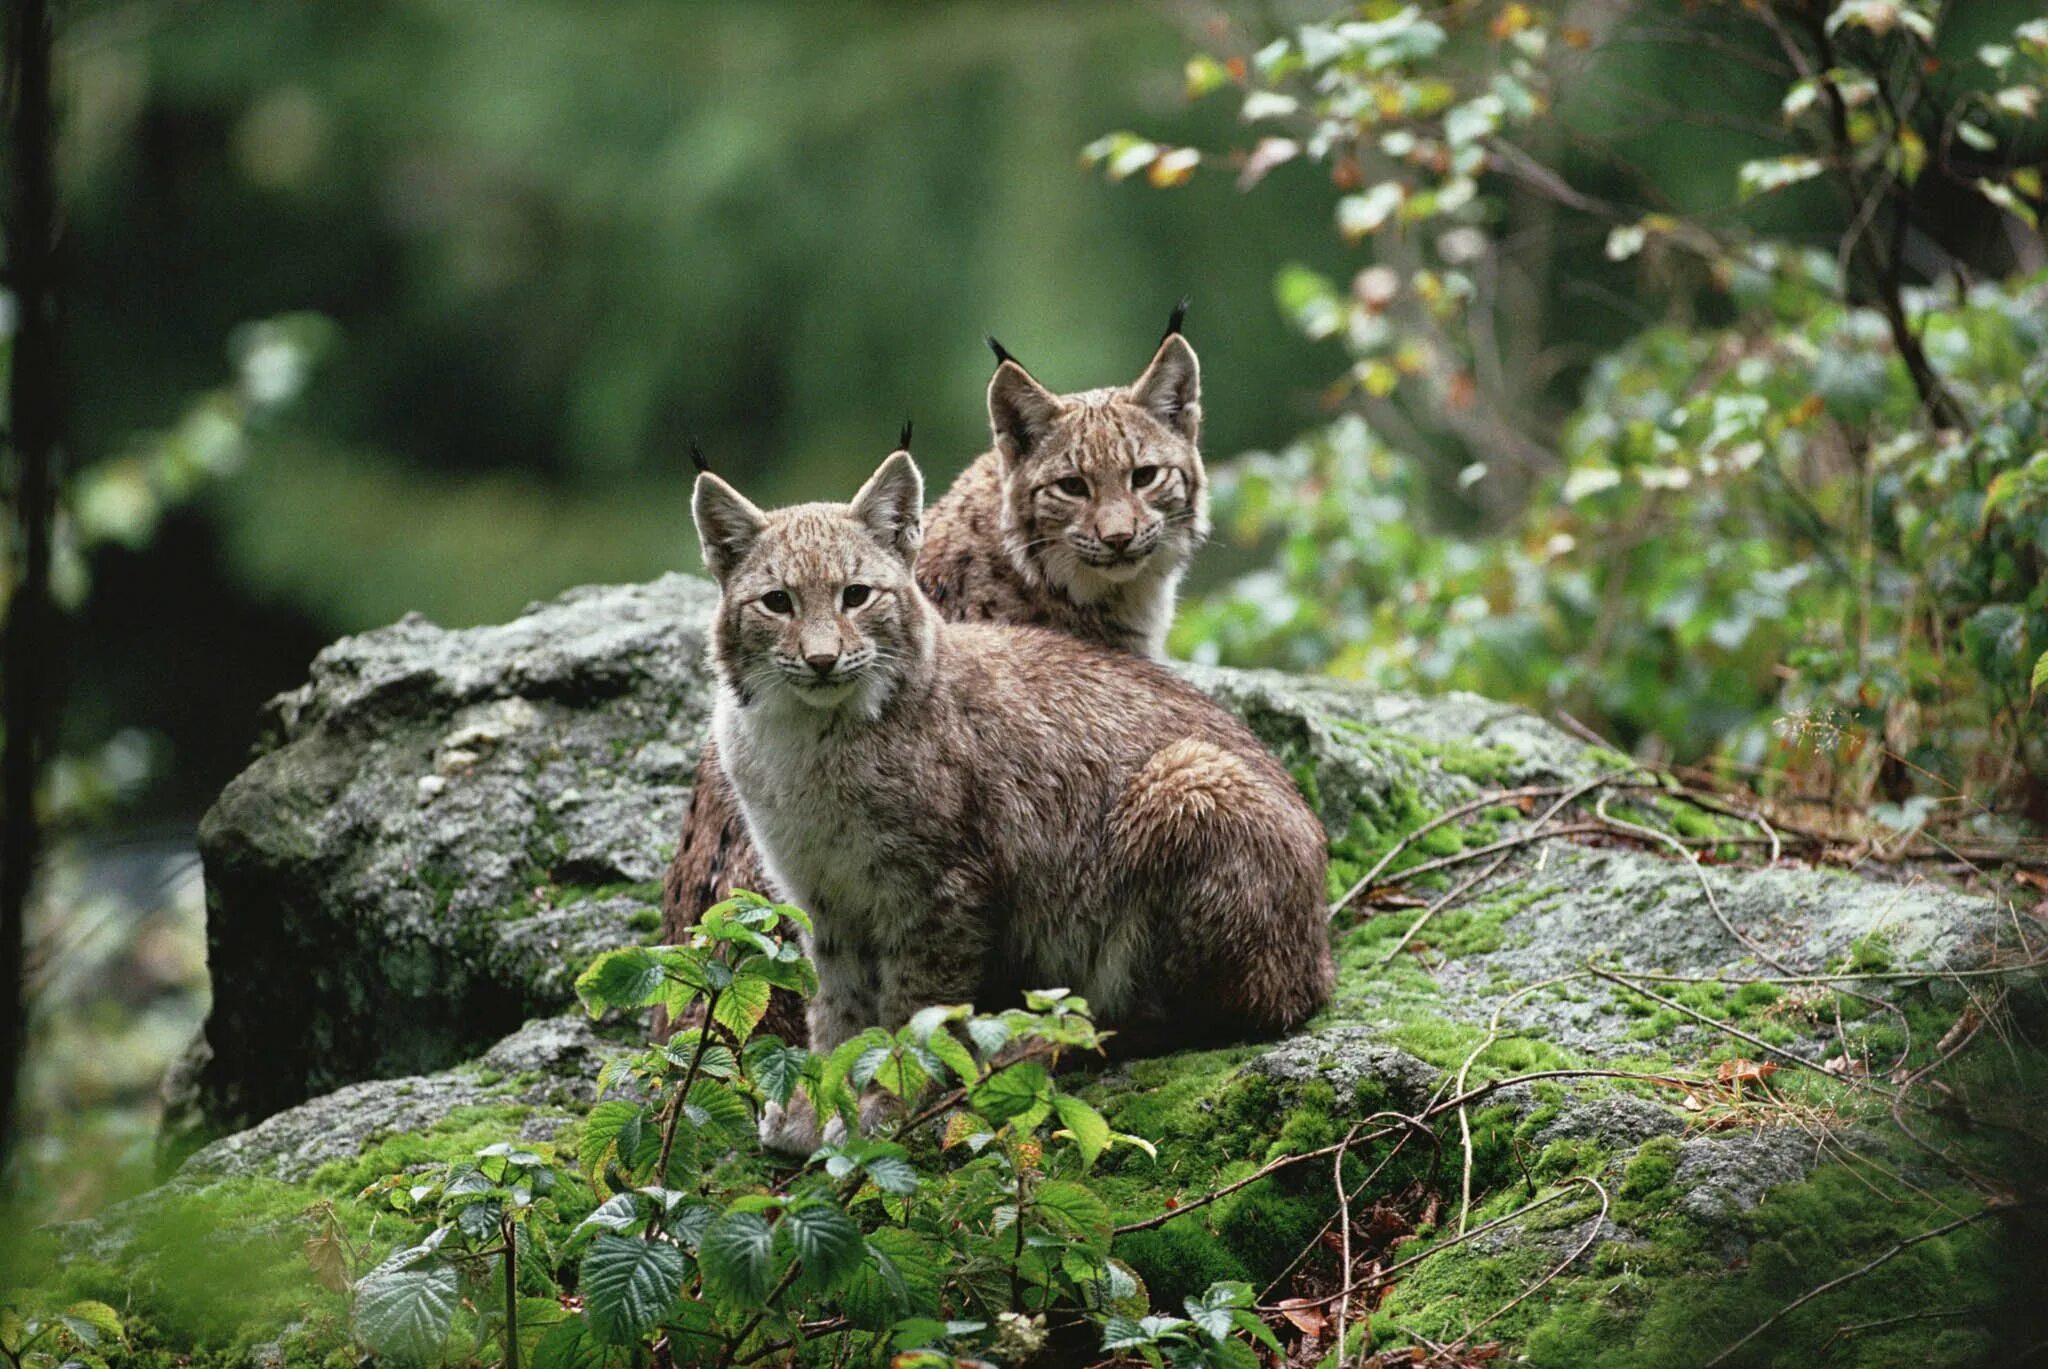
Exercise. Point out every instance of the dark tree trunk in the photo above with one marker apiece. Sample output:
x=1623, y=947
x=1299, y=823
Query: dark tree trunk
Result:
x=34, y=416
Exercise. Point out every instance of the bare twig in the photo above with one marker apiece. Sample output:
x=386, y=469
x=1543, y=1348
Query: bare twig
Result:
x=1592, y=1235
x=1449, y=815
x=1464, y=1070
x=1385, y=1273
x=1893, y=1252
x=1344, y=1241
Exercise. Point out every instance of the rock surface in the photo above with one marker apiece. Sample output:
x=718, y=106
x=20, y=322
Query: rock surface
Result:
x=444, y=826
x=440, y=829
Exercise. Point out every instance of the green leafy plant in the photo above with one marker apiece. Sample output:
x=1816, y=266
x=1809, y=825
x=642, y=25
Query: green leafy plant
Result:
x=948, y=1228
x=84, y=1333
x=1806, y=542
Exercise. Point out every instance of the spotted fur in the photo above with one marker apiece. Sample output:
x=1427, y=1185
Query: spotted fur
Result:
x=968, y=810
x=1005, y=544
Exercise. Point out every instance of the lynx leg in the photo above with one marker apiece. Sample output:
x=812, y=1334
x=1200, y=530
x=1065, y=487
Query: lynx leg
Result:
x=714, y=856
x=1240, y=928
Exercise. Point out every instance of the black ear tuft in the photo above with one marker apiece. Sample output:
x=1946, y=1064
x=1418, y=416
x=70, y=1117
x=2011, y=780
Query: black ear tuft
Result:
x=1002, y=353
x=1180, y=316
x=903, y=442
x=697, y=457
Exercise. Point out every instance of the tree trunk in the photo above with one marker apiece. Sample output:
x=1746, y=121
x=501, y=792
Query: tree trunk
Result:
x=34, y=413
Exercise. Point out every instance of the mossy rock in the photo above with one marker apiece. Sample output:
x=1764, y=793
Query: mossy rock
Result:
x=367, y=924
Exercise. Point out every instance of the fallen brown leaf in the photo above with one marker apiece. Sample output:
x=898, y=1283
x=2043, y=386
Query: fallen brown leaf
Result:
x=1306, y=1317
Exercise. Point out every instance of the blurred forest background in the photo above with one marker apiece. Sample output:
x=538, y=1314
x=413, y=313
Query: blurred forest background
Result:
x=1566, y=344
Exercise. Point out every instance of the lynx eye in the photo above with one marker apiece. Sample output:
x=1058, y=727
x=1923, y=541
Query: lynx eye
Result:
x=853, y=596
x=1143, y=476
x=1073, y=485
x=777, y=601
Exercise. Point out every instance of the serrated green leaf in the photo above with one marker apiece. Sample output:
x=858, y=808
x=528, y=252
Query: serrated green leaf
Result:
x=1011, y=1092
x=629, y=977
x=737, y=1256
x=740, y=1008
x=404, y=1307
x=900, y=1277
x=712, y=1106
x=570, y=1345
x=989, y=1034
x=954, y=1055
x=629, y=1285
x=1075, y=1213
x=1084, y=1124
x=776, y=1069
x=613, y=1125
x=621, y=1213
x=825, y=1239
x=93, y=1323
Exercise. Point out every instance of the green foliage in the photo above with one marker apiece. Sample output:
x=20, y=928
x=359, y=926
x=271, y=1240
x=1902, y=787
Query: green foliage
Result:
x=700, y=1239
x=85, y=1333
x=1811, y=538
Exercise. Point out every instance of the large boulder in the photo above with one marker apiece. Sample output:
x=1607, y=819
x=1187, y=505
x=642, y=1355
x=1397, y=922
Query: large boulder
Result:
x=443, y=826
x=439, y=830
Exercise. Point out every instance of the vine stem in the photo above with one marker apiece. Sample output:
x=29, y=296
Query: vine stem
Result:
x=1017, y=1258
x=781, y=1286
x=674, y=1112
x=511, y=1233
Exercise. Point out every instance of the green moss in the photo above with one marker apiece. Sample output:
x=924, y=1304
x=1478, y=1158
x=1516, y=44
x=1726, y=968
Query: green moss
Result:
x=1871, y=953
x=1649, y=1172
x=1678, y=1303
x=187, y=1244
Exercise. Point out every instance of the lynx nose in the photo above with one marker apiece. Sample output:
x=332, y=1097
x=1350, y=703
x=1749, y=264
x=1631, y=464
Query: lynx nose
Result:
x=822, y=662
x=1118, y=542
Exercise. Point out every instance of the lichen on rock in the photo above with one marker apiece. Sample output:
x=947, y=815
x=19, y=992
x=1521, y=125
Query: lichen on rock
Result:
x=444, y=826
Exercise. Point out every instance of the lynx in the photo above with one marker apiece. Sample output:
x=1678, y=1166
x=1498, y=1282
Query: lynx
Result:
x=968, y=810
x=1082, y=517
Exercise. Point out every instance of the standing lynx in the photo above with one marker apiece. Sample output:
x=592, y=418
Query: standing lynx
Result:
x=1082, y=518
x=968, y=810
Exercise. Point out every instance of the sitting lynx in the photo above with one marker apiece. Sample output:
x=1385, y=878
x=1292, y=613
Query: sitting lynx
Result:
x=969, y=810
x=1082, y=517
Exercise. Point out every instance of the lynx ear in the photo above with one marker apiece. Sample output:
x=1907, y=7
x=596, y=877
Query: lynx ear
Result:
x=1171, y=388
x=891, y=505
x=727, y=524
x=1020, y=410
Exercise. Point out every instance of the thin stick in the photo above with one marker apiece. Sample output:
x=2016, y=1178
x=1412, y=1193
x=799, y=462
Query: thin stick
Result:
x=1438, y=1109
x=1505, y=844
x=1270, y=1167
x=1981, y=972
x=1896, y=1250
x=1344, y=1242
x=1504, y=847
x=1464, y=1070
x=1414, y=1126
x=1737, y=1032
x=1599, y=1222
x=1936, y=1314
x=1381, y=1276
x=1706, y=886
x=1410, y=838
x=1455, y=893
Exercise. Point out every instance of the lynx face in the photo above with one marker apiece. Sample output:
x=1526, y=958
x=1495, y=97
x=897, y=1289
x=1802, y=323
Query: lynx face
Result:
x=818, y=605
x=1106, y=486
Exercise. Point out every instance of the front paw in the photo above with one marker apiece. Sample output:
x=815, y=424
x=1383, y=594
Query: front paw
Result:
x=791, y=1130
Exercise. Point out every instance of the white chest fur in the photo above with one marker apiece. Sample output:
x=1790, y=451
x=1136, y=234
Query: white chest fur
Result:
x=802, y=788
